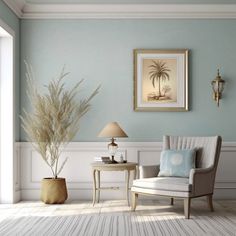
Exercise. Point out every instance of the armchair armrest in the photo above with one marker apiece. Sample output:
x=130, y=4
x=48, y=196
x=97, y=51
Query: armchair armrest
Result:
x=202, y=180
x=148, y=171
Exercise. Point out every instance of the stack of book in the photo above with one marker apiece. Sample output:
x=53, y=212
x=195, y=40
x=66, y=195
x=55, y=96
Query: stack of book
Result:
x=102, y=159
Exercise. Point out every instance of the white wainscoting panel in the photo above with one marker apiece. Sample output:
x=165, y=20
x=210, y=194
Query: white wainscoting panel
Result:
x=77, y=171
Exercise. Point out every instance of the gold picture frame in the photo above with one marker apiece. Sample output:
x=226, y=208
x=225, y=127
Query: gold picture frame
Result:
x=161, y=80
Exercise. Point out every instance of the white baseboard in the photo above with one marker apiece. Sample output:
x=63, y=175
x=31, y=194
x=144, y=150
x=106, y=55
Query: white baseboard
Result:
x=31, y=169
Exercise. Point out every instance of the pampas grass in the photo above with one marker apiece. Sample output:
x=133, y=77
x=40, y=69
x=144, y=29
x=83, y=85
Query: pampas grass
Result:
x=55, y=118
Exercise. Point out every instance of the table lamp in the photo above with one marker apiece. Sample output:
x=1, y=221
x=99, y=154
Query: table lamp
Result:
x=112, y=130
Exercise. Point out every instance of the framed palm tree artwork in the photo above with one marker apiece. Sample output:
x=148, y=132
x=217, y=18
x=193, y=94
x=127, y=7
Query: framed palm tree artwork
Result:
x=161, y=80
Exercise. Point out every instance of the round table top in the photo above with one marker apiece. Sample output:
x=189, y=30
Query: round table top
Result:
x=113, y=166
x=99, y=163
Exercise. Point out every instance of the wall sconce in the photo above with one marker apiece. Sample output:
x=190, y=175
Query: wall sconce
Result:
x=218, y=87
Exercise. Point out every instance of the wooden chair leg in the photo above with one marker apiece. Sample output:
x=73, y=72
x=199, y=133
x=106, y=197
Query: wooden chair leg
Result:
x=187, y=203
x=172, y=201
x=134, y=198
x=209, y=202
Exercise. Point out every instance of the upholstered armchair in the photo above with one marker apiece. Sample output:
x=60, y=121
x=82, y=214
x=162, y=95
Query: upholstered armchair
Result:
x=201, y=179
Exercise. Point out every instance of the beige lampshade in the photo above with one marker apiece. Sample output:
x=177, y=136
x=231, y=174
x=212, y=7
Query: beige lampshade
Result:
x=112, y=130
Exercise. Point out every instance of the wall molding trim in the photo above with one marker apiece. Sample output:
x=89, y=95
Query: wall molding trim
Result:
x=77, y=171
x=26, y=10
x=155, y=145
x=16, y=6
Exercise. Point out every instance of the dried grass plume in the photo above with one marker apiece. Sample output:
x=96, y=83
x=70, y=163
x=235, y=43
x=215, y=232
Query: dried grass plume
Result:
x=55, y=118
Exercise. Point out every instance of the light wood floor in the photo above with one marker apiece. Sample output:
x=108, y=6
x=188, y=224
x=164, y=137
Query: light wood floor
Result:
x=158, y=207
x=152, y=217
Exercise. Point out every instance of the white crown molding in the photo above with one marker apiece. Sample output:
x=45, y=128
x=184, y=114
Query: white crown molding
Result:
x=127, y=11
x=16, y=6
x=26, y=10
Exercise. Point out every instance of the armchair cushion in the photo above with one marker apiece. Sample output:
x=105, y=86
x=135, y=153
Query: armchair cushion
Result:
x=164, y=183
x=177, y=163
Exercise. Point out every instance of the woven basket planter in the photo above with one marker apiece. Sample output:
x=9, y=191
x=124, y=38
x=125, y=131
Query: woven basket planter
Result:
x=53, y=191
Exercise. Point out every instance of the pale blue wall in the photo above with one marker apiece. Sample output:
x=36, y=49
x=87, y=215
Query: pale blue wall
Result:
x=11, y=20
x=101, y=51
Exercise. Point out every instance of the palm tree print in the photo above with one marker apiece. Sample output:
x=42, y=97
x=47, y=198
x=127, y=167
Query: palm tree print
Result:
x=159, y=71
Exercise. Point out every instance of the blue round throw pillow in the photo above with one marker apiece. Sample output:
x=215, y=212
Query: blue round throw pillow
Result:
x=177, y=163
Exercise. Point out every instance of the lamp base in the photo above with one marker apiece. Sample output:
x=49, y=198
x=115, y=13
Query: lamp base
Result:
x=112, y=161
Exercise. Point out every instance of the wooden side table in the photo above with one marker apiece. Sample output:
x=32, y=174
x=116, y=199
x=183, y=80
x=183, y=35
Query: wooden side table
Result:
x=97, y=167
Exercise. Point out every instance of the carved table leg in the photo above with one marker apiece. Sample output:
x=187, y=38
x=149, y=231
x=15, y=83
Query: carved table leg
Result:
x=94, y=187
x=127, y=186
x=98, y=174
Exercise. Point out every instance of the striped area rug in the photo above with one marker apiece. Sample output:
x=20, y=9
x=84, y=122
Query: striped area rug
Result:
x=114, y=219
